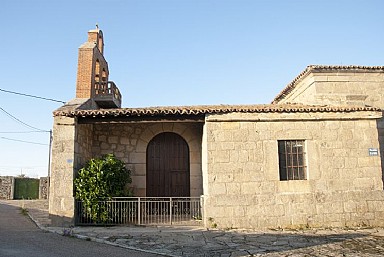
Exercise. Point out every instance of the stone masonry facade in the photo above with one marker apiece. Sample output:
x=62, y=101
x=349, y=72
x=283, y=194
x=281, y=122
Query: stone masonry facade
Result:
x=74, y=144
x=129, y=142
x=61, y=193
x=334, y=85
x=335, y=112
x=344, y=85
x=343, y=186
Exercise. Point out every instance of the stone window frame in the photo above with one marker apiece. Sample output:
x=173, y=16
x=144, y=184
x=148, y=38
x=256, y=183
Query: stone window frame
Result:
x=292, y=159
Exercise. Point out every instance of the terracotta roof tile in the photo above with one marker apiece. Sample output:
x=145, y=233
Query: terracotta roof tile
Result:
x=311, y=68
x=207, y=109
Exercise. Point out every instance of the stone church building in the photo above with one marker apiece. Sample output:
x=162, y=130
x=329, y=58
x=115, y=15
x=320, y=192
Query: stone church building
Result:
x=311, y=158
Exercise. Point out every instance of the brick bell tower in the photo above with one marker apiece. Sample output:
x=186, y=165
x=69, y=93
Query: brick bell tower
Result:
x=92, y=73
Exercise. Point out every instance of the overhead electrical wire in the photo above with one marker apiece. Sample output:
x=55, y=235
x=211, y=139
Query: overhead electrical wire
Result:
x=22, y=141
x=21, y=122
x=33, y=96
x=36, y=130
x=21, y=132
x=29, y=126
x=15, y=166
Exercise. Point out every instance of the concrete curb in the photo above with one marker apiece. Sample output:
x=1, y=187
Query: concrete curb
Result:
x=93, y=239
x=313, y=242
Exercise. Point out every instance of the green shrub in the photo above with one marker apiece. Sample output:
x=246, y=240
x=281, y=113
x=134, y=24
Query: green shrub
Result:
x=101, y=179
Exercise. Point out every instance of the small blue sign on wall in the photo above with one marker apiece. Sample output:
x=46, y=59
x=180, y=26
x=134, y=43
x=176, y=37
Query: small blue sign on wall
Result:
x=373, y=151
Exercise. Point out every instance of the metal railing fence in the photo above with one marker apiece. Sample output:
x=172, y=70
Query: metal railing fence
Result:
x=144, y=211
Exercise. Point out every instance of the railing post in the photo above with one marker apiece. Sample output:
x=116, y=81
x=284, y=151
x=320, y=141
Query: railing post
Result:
x=123, y=210
x=138, y=211
x=201, y=207
x=170, y=211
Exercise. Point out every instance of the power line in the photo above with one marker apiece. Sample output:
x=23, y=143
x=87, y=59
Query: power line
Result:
x=24, y=167
x=21, y=122
x=21, y=132
x=22, y=141
x=33, y=96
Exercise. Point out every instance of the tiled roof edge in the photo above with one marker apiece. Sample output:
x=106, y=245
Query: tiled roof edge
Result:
x=210, y=109
x=310, y=68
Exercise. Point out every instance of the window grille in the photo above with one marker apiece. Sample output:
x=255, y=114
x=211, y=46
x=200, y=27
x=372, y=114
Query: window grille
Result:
x=292, y=160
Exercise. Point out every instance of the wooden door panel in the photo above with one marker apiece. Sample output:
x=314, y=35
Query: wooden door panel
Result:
x=168, y=166
x=178, y=183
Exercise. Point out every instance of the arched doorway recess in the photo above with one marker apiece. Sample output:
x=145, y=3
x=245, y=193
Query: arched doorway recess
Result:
x=168, y=172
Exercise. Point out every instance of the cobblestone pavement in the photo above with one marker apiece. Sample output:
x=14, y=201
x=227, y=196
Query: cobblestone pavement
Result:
x=192, y=241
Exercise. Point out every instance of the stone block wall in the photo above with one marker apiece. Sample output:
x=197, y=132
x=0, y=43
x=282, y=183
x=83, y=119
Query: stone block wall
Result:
x=61, y=194
x=7, y=184
x=243, y=187
x=74, y=144
x=83, y=145
x=340, y=87
x=129, y=143
x=44, y=188
x=355, y=87
x=297, y=210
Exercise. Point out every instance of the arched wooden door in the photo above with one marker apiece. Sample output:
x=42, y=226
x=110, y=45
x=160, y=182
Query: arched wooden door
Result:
x=168, y=166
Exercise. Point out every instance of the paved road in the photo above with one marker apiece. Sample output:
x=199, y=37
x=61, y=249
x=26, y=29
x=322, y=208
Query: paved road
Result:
x=20, y=237
x=178, y=241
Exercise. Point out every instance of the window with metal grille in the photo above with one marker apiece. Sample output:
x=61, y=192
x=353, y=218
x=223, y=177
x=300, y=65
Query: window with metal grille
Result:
x=292, y=160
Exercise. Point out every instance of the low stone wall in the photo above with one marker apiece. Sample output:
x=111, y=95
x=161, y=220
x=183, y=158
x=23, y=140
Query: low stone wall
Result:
x=6, y=187
x=298, y=210
x=43, y=188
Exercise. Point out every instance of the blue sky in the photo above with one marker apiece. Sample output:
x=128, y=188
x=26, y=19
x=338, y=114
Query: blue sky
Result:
x=168, y=52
